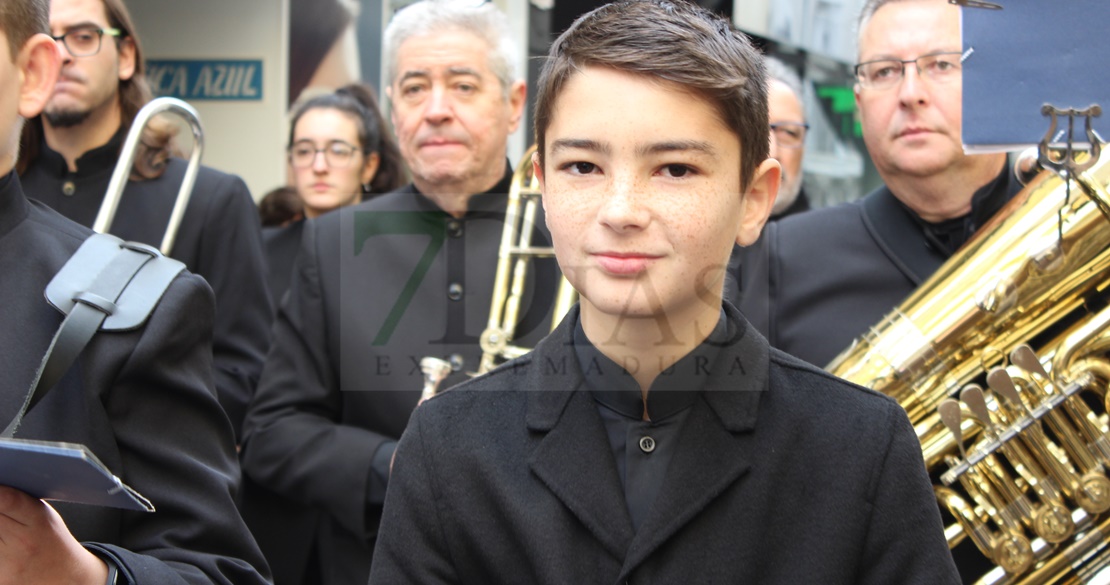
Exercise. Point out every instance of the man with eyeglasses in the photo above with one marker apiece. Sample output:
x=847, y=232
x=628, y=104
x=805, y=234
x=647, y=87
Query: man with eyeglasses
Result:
x=788, y=135
x=786, y=113
x=70, y=151
x=820, y=279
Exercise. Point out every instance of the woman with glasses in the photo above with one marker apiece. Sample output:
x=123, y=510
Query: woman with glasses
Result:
x=340, y=151
x=339, y=154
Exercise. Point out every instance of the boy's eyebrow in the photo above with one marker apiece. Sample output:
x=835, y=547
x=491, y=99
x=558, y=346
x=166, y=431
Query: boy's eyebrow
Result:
x=579, y=144
x=644, y=149
x=676, y=146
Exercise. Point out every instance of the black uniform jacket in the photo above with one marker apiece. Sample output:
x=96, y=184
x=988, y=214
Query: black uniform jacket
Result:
x=816, y=281
x=280, y=245
x=142, y=401
x=781, y=474
x=375, y=288
x=219, y=240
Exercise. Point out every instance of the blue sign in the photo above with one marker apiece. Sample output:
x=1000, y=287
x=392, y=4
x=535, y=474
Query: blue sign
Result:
x=206, y=80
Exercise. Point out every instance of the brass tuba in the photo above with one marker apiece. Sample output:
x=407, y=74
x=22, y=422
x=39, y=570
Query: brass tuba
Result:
x=1001, y=361
x=513, y=258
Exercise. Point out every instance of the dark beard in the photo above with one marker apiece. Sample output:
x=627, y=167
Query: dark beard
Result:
x=66, y=119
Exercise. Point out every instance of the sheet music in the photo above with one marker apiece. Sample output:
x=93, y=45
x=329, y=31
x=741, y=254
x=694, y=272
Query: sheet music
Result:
x=1029, y=53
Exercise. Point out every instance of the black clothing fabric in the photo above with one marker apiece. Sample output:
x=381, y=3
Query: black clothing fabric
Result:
x=376, y=287
x=642, y=448
x=141, y=400
x=280, y=246
x=781, y=474
x=219, y=239
x=800, y=204
x=816, y=281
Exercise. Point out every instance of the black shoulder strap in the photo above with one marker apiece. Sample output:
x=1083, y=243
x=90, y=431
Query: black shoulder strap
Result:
x=96, y=279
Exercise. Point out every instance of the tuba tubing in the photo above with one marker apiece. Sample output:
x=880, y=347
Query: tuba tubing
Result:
x=108, y=207
x=1023, y=465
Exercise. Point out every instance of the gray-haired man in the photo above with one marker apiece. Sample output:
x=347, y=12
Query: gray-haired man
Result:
x=380, y=285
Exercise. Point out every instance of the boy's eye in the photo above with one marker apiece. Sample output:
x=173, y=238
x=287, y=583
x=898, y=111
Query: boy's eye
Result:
x=580, y=168
x=676, y=170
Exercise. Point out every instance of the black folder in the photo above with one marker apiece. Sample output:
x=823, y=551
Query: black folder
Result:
x=67, y=472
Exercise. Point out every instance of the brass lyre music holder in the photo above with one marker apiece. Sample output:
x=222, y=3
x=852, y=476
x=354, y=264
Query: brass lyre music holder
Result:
x=1068, y=163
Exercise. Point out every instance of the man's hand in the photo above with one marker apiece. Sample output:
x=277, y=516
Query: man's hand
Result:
x=36, y=548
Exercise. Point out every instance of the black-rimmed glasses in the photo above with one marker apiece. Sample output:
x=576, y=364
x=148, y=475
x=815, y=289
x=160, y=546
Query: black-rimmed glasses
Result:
x=887, y=73
x=337, y=154
x=85, y=41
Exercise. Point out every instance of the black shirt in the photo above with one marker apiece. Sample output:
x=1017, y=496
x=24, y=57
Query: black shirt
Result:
x=643, y=448
x=948, y=235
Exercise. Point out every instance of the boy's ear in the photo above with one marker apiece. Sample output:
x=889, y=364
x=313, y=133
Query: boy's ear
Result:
x=758, y=201
x=537, y=169
x=38, y=63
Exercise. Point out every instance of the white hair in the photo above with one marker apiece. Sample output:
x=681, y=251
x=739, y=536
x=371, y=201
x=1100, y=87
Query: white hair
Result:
x=484, y=21
x=779, y=71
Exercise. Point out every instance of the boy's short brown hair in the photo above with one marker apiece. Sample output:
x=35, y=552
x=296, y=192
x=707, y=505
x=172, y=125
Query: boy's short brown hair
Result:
x=20, y=19
x=675, y=42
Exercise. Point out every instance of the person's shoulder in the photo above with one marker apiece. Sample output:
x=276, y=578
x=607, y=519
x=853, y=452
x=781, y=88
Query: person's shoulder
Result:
x=498, y=388
x=211, y=184
x=819, y=221
x=333, y=221
x=49, y=224
x=276, y=235
x=824, y=393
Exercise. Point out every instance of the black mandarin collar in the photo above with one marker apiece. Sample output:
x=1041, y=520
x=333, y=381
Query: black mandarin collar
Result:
x=13, y=205
x=98, y=160
x=948, y=235
x=490, y=201
x=674, y=390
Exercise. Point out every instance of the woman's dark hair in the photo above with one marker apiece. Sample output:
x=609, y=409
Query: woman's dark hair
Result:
x=359, y=102
x=280, y=206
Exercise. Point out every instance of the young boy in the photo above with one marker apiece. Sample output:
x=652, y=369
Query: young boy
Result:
x=654, y=437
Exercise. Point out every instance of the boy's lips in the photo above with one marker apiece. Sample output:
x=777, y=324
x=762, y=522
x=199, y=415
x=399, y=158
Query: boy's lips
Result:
x=624, y=263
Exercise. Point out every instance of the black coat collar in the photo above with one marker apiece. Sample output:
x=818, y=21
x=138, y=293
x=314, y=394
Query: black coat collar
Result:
x=13, y=205
x=571, y=455
x=733, y=390
x=491, y=200
x=888, y=222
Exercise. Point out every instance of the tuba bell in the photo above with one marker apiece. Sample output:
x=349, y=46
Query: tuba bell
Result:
x=107, y=212
x=513, y=259
x=1001, y=361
